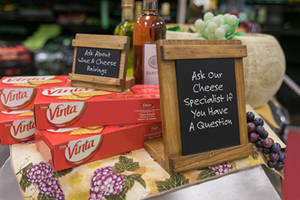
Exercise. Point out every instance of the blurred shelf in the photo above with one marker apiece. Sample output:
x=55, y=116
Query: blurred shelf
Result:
x=5, y=65
x=281, y=31
x=29, y=20
x=273, y=3
x=35, y=16
x=290, y=32
x=83, y=28
x=75, y=8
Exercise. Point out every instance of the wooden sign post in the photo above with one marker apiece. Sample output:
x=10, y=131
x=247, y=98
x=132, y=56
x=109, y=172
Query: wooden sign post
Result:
x=202, y=104
x=100, y=62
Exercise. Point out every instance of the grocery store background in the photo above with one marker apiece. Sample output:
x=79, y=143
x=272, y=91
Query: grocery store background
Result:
x=35, y=36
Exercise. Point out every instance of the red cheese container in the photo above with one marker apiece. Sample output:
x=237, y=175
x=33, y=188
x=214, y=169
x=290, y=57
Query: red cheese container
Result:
x=81, y=107
x=16, y=127
x=19, y=92
x=63, y=150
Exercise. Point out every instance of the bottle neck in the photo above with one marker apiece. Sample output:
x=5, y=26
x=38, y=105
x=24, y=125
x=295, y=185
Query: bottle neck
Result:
x=138, y=9
x=127, y=12
x=150, y=5
x=150, y=12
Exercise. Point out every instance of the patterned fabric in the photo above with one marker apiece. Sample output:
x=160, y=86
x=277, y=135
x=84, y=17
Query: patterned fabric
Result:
x=131, y=176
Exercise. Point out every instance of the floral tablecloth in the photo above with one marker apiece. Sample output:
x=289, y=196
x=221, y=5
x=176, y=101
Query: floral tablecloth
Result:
x=131, y=176
x=134, y=175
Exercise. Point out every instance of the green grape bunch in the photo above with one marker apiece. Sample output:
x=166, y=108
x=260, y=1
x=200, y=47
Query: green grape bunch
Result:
x=219, y=27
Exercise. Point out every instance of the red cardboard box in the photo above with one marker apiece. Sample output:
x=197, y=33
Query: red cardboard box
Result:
x=63, y=150
x=81, y=107
x=19, y=92
x=16, y=127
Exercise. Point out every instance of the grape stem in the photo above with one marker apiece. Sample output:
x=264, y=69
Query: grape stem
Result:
x=20, y=171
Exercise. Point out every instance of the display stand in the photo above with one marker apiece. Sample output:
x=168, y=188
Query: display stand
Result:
x=100, y=62
x=169, y=152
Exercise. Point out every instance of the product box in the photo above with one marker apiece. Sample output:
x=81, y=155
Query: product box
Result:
x=68, y=147
x=19, y=92
x=81, y=107
x=16, y=127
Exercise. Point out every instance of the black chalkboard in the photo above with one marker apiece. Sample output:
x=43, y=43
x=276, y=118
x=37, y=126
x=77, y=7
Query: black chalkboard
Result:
x=207, y=104
x=98, y=62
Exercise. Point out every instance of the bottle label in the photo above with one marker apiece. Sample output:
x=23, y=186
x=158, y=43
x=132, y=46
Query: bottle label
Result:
x=150, y=64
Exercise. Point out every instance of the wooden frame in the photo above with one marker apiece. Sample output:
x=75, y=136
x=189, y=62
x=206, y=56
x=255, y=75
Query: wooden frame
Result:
x=168, y=152
x=104, y=42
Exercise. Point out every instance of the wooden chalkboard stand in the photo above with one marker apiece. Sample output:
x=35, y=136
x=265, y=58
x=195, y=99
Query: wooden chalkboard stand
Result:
x=168, y=152
x=129, y=82
x=101, y=82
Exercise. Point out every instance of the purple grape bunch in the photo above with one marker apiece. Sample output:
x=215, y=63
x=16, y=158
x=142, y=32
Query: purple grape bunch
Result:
x=221, y=169
x=41, y=174
x=51, y=187
x=259, y=136
x=106, y=183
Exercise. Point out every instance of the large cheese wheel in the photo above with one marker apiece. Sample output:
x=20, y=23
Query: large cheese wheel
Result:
x=264, y=68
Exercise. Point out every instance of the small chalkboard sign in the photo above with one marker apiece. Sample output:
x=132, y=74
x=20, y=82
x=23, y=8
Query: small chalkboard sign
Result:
x=100, y=61
x=202, y=104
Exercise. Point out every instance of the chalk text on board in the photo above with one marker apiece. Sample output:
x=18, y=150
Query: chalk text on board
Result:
x=98, y=53
x=213, y=124
x=201, y=86
x=204, y=100
x=201, y=75
x=93, y=58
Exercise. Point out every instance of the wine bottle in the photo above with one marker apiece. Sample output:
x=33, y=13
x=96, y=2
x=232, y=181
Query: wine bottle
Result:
x=125, y=28
x=149, y=28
